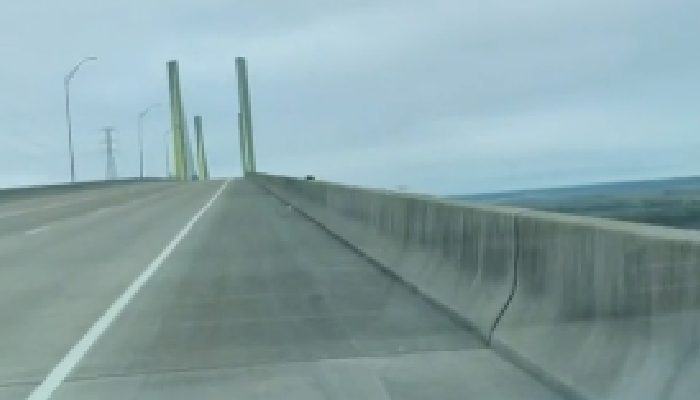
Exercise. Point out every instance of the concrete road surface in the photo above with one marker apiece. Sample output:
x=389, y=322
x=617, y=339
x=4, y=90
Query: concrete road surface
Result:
x=252, y=302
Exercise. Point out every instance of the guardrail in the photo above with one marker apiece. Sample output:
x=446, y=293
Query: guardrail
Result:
x=58, y=188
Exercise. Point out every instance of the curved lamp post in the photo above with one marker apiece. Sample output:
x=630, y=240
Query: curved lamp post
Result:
x=142, y=114
x=66, y=84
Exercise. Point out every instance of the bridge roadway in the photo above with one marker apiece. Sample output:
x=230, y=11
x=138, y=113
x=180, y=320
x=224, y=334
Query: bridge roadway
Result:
x=254, y=302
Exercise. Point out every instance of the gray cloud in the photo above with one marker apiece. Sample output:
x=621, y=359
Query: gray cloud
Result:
x=441, y=96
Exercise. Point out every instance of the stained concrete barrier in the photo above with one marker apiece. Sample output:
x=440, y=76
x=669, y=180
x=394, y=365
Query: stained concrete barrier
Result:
x=609, y=310
x=63, y=188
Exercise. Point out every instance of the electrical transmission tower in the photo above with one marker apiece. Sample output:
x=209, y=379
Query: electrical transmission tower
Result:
x=111, y=164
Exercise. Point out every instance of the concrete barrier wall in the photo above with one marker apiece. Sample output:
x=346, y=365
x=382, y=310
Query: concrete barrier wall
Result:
x=61, y=188
x=608, y=309
x=460, y=257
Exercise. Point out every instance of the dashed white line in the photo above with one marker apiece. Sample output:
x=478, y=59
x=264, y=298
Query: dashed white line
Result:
x=76, y=353
x=37, y=230
x=16, y=213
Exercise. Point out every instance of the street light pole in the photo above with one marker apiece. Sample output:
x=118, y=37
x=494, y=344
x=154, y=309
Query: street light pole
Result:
x=142, y=114
x=66, y=85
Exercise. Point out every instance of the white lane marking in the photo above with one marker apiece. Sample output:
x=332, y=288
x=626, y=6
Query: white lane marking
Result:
x=73, y=201
x=37, y=230
x=76, y=353
x=78, y=200
x=15, y=213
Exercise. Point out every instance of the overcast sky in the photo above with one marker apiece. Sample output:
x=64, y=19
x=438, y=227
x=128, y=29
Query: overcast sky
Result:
x=455, y=96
